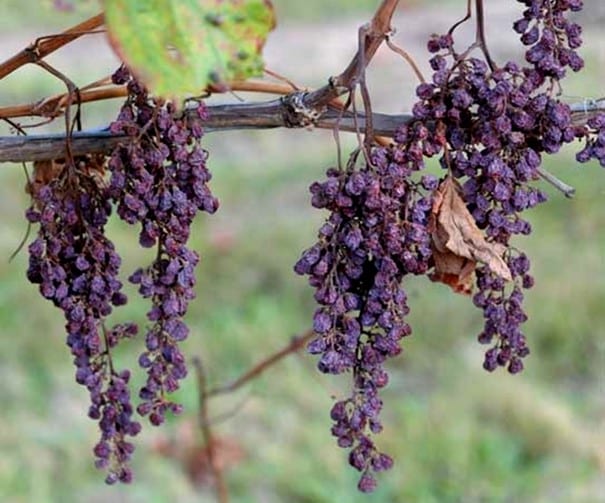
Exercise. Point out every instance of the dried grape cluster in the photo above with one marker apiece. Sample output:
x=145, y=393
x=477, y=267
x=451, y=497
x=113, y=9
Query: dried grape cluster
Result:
x=160, y=181
x=490, y=126
x=77, y=266
x=158, y=178
x=357, y=266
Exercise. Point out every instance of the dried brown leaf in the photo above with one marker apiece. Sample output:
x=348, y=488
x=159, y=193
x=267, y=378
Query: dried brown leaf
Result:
x=456, y=272
x=458, y=244
x=44, y=173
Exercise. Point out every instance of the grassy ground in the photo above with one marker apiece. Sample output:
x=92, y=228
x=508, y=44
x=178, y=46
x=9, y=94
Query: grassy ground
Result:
x=457, y=433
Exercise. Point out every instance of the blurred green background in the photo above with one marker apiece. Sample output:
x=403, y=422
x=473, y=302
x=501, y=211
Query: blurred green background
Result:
x=457, y=433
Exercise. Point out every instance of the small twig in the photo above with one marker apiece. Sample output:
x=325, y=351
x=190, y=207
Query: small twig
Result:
x=281, y=78
x=28, y=182
x=567, y=190
x=45, y=46
x=360, y=141
x=222, y=492
x=379, y=26
x=365, y=144
x=58, y=103
x=53, y=105
x=28, y=229
x=295, y=345
x=481, y=34
x=72, y=90
x=336, y=133
x=395, y=48
x=463, y=20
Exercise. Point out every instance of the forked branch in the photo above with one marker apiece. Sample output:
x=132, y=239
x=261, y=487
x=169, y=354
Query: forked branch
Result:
x=46, y=45
x=296, y=344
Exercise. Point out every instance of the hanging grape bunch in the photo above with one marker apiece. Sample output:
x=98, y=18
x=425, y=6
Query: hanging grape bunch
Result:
x=158, y=180
x=489, y=125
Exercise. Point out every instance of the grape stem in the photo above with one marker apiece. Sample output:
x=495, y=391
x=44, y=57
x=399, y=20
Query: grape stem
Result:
x=296, y=344
x=222, y=492
x=480, y=37
x=44, y=46
x=466, y=17
x=72, y=92
x=567, y=190
x=405, y=55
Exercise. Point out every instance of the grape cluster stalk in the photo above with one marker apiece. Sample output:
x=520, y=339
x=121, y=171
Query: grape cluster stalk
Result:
x=490, y=127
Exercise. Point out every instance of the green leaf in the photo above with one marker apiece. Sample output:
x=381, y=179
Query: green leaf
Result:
x=178, y=47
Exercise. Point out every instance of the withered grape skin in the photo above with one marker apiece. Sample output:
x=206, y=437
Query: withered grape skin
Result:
x=496, y=125
x=76, y=267
x=594, y=134
x=159, y=180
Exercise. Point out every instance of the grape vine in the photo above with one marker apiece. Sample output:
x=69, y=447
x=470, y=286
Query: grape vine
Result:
x=489, y=127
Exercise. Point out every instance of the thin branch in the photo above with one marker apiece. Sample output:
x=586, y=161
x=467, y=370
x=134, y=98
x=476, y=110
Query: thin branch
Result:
x=295, y=345
x=261, y=115
x=567, y=190
x=222, y=492
x=480, y=37
x=466, y=17
x=28, y=184
x=44, y=46
x=53, y=105
x=405, y=55
x=238, y=116
x=360, y=81
x=72, y=91
x=379, y=28
x=283, y=79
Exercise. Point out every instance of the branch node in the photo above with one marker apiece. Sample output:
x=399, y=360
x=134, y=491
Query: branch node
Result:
x=297, y=113
x=339, y=89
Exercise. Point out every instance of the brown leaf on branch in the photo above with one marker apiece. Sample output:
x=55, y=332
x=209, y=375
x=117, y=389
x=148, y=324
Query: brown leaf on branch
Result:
x=458, y=244
x=44, y=173
x=90, y=165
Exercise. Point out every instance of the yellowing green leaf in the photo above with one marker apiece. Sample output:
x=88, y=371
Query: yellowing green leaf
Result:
x=178, y=47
